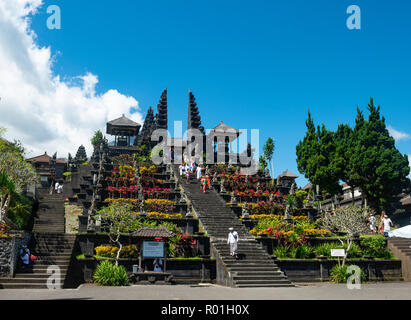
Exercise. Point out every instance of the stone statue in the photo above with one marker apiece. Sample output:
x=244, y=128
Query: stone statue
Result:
x=189, y=213
x=293, y=189
x=267, y=173
x=222, y=188
x=143, y=208
x=287, y=215
x=215, y=179
x=244, y=212
x=308, y=202
x=233, y=200
x=271, y=197
x=258, y=186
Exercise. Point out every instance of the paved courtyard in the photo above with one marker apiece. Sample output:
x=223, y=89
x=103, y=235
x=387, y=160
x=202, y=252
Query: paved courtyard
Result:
x=322, y=291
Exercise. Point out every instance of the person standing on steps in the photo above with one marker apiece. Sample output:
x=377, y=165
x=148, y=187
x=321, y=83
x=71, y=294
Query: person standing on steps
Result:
x=204, y=183
x=233, y=242
x=56, y=187
x=198, y=173
x=387, y=224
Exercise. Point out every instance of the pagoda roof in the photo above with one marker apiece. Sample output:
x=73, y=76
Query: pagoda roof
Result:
x=44, y=158
x=308, y=186
x=224, y=128
x=288, y=174
x=146, y=232
x=123, y=121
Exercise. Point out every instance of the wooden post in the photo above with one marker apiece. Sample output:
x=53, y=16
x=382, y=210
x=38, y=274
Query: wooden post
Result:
x=139, y=257
x=165, y=256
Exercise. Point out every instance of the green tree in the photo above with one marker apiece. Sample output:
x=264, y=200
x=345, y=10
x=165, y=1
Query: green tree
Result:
x=268, y=153
x=315, y=154
x=374, y=163
x=117, y=218
x=97, y=139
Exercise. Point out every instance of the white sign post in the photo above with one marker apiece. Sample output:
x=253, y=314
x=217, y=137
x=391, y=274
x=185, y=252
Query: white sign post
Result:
x=339, y=253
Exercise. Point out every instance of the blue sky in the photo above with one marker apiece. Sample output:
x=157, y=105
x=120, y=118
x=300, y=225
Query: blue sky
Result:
x=253, y=64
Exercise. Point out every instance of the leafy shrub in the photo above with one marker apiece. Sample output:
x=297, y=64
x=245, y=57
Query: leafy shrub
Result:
x=111, y=252
x=339, y=274
x=20, y=211
x=282, y=252
x=324, y=249
x=302, y=251
x=355, y=251
x=108, y=274
x=375, y=247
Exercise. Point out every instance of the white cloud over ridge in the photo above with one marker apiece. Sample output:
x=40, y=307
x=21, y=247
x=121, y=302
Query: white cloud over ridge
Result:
x=398, y=135
x=38, y=108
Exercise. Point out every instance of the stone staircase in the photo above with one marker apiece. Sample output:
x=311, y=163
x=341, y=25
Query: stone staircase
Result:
x=51, y=246
x=401, y=248
x=50, y=214
x=255, y=268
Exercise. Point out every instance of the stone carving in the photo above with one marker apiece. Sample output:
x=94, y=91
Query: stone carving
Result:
x=233, y=200
x=189, y=213
x=222, y=188
x=215, y=179
x=293, y=189
x=244, y=211
x=287, y=214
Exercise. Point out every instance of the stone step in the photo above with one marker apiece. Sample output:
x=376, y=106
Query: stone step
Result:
x=27, y=285
x=32, y=280
x=260, y=277
x=269, y=285
x=254, y=270
x=40, y=269
x=262, y=282
x=36, y=275
x=42, y=263
x=248, y=264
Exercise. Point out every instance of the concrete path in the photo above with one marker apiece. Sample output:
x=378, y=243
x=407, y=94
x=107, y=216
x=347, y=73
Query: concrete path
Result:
x=323, y=291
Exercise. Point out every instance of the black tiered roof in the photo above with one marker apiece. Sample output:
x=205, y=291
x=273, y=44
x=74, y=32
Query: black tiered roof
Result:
x=194, y=119
x=123, y=126
x=161, y=117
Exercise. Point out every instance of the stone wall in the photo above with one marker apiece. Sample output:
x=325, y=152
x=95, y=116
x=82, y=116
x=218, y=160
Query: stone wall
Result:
x=71, y=213
x=9, y=248
x=317, y=270
x=184, y=271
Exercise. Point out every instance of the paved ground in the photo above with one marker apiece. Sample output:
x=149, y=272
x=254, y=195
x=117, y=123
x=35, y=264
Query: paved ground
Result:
x=323, y=291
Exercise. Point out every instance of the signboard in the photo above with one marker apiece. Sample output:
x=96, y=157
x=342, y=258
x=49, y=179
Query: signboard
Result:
x=337, y=253
x=153, y=249
x=43, y=179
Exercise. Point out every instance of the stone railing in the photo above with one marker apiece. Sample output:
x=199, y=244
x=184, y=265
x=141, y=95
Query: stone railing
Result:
x=9, y=249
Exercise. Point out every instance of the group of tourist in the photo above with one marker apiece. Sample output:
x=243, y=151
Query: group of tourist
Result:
x=190, y=168
x=384, y=226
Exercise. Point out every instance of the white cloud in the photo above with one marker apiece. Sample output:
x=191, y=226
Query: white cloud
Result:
x=398, y=135
x=38, y=108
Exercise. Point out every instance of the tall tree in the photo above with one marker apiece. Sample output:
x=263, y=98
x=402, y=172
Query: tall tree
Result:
x=315, y=155
x=268, y=153
x=375, y=164
x=97, y=139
